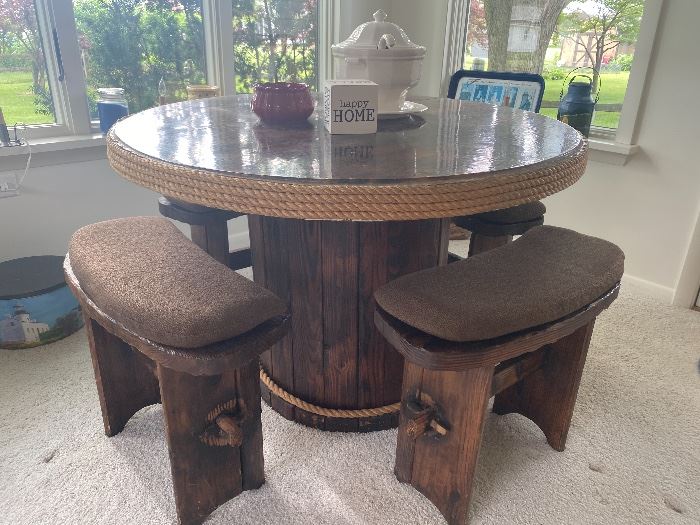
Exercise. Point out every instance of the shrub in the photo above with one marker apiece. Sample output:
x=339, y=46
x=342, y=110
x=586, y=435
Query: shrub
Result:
x=15, y=62
x=43, y=101
x=624, y=62
x=552, y=72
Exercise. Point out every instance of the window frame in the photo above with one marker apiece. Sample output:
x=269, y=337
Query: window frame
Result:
x=620, y=140
x=55, y=17
x=70, y=102
x=218, y=45
x=72, y=117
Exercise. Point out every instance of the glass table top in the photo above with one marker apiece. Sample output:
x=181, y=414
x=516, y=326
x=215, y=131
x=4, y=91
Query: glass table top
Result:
x=452, y=139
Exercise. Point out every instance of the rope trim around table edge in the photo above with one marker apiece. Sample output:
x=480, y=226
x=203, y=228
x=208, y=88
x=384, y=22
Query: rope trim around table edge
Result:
x=321, y=411
x=404, y=201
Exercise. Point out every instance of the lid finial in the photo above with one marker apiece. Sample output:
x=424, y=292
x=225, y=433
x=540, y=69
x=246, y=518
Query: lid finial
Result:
x=380, y=16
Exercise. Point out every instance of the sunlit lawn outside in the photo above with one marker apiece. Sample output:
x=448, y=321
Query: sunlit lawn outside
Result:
x=17, y=99
x=613, y=88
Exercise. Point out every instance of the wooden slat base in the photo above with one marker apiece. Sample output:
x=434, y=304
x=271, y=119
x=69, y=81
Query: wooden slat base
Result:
x=441, y=467
x=330, y=424
x=204, y=476
x=327, y=271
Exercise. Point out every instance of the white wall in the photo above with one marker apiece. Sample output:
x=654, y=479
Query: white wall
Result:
x=649, y=207
x=57, y=200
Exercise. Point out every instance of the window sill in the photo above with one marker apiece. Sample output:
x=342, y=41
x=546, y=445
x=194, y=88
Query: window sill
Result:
x=55, y=150
x=610, y=152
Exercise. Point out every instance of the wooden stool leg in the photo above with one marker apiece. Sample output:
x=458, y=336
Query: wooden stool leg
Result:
x=482, y=243
x=548, y=395
x=212, y=238
x=207, y=475
x=252, y=463
x=438, y=454
x=125, y=378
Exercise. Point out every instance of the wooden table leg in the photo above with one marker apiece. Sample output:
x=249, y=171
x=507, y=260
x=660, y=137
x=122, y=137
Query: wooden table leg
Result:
x=208, y=226
x=327, y=271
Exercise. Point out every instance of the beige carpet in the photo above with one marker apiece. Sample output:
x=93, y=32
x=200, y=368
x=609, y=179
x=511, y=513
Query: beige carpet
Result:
x=633, y=454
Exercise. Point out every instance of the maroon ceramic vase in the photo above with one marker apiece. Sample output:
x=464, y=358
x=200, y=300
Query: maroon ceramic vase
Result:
x=282, y=102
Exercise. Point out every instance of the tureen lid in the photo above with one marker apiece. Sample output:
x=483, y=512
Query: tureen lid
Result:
x=378, y=39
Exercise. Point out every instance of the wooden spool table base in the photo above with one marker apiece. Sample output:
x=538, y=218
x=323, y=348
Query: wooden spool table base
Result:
x=327, y=271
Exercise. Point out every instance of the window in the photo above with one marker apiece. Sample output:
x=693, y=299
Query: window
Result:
x=275, y=40
x=133, y=44
x=553, y=37
x=25, y=90
x=56, y=54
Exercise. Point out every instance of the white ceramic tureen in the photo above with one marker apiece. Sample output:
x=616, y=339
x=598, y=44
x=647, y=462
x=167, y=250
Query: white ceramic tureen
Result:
x=381, y=52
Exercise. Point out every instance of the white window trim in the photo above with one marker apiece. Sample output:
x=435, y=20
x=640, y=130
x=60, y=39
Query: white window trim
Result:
x=455, y=41
x=328, y=32
x=73, y=122
x=218, y=44
x=74, y=131
x=627, y=127
x=70, y=105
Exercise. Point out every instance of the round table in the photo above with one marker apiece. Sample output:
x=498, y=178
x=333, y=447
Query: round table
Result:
x=333, y=217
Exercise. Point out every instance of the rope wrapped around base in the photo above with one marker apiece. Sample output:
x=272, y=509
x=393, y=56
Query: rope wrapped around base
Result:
x=321, y=411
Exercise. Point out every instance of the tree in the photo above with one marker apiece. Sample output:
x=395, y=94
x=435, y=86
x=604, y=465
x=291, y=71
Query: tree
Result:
x=274, y=40
x=476, y=31
x=542, y=15
x=134, y=43
x=608, y=22
x=18, y=22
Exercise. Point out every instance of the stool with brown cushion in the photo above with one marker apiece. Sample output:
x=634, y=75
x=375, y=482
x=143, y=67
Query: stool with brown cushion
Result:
x=514, y=322
x=209, y=230
x=167, y=323
x=495, y=228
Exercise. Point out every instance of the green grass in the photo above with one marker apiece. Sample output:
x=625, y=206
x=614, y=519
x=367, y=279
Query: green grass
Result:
x=17, y=99
x=613, y=90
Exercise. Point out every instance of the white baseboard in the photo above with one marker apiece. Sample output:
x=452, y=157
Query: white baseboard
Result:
x=237, y=241
x=662, y=293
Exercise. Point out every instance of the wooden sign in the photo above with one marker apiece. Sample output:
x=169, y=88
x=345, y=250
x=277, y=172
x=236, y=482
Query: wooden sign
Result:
x=350, y=106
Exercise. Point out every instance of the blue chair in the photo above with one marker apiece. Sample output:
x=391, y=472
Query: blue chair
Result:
x=519, y=91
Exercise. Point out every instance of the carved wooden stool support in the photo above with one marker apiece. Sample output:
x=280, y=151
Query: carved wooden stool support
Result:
x=547, y=396
x=206, y=475
x=441, y=466
x=125, y=378
x=208, y=230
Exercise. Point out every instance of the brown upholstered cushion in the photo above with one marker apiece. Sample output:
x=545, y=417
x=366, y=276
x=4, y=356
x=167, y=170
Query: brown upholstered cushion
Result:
x=531, y=211
x=543, y=276
x=144, y=273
